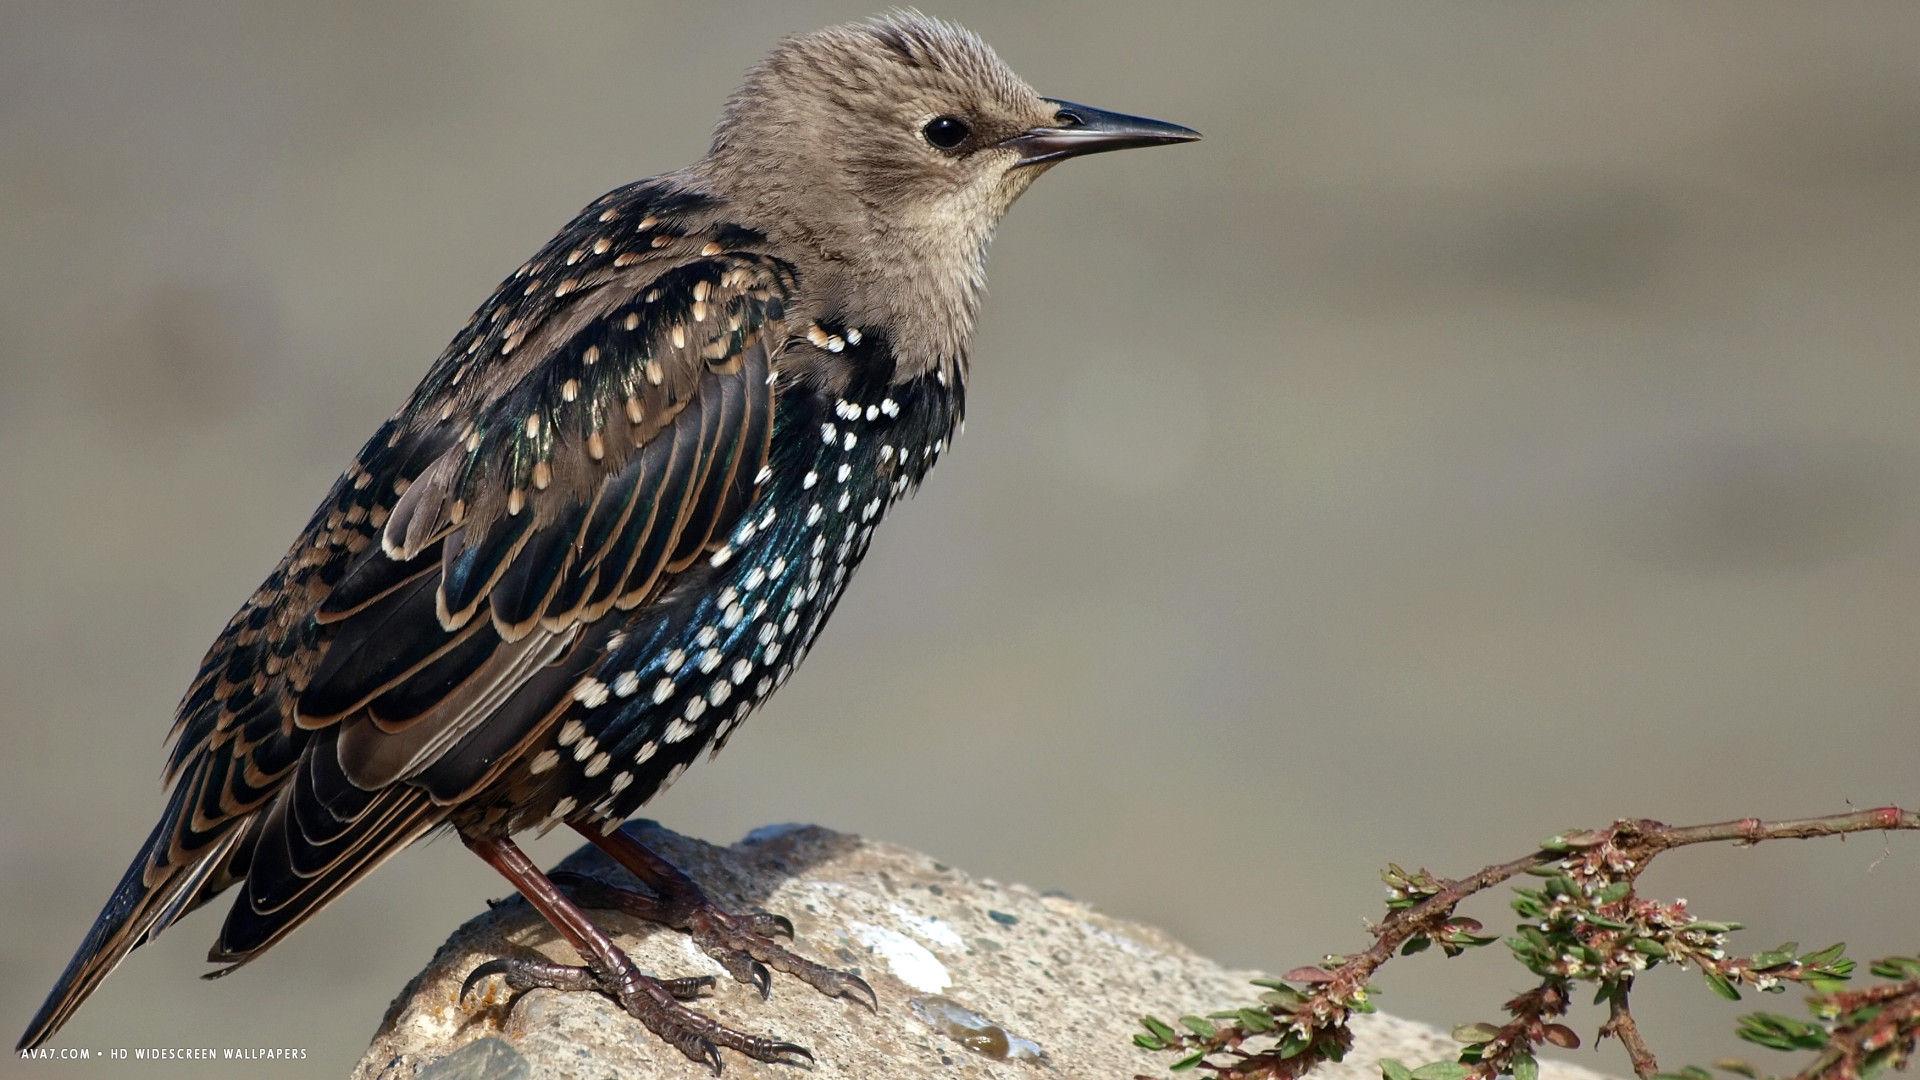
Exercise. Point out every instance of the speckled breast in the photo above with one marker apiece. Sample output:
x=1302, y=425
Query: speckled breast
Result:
x=679, y=675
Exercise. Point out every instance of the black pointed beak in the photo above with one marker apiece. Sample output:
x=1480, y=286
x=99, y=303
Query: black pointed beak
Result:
x=1081, y=129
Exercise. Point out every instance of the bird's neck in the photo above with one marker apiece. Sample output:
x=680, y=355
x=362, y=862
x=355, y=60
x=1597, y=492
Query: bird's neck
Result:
x=917, y=278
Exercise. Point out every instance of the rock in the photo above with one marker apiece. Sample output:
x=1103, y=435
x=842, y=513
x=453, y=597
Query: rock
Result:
x=975, y=979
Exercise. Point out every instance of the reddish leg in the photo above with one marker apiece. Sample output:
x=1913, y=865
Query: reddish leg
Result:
x=654, y=1002
x=742, y=943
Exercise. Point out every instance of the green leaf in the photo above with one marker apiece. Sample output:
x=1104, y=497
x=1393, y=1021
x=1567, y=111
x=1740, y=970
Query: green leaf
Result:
x=1147, y=1040
x=1474, y=1033
x=1391, y=1069
x=1525, y=1067
x=1200, y=1026
x=1825, y=956
x=1720, y=984
x=1189, y=1061
x=1441, y=1070
x=1160, y=1028
x=1650, y=947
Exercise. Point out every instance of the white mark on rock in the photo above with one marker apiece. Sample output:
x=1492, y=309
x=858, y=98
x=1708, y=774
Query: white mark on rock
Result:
x=910, y=961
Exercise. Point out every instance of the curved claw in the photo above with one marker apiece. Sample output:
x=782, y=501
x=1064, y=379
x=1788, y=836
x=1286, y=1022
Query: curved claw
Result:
x=856, y=988
x=688, y=988
x=771, y=925
x=496, y=966
x=709, y=1054
x=762, y=980
x=787, y=1053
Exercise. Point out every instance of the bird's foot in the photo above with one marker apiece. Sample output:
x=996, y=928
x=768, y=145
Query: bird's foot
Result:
x=741, y=942
x=654, y=1002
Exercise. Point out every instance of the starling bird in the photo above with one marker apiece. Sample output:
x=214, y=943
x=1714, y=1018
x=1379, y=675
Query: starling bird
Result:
x=610, y=521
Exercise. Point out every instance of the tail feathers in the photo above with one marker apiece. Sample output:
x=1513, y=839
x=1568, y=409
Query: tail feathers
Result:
x=137, y=910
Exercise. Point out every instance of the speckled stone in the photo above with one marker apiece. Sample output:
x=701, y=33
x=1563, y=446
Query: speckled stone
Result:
x=1048, y=971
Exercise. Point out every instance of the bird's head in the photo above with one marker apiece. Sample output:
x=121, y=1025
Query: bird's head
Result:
x=891, y=149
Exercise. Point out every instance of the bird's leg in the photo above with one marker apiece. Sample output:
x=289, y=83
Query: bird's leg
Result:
x=742, y=943
x=654, y=1002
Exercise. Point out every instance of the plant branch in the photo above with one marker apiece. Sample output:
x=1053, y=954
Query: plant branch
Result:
x=1621, y=1025
x=1585, y=924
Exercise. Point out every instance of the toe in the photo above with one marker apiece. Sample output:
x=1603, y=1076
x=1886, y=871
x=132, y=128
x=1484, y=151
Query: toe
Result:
x=497, y=966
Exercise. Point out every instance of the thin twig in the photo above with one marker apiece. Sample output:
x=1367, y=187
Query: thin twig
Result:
x=1621, y=1025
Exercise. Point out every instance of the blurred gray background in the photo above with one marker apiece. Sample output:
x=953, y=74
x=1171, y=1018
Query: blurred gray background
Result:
x=1504, y=421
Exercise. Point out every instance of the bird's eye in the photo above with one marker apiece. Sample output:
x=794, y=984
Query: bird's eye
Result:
x=946, y=132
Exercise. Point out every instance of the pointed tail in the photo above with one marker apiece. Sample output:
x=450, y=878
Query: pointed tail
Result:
x=150, y=896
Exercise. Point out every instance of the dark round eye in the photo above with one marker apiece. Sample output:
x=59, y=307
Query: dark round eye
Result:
x=946, y=132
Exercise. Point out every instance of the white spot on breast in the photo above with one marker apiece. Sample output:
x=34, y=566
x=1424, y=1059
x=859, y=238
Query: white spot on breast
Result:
x=662, y=690
x=626, y=684
x=675, y=659
x=620, y=782
x=564, y=807
x=544, y=760
x=570, y=731
x=741, y=669
x=598, y=765
x=584, y=749
x=590, y=692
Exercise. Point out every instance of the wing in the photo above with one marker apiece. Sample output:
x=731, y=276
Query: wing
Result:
x=609, y=466
x=583, y=438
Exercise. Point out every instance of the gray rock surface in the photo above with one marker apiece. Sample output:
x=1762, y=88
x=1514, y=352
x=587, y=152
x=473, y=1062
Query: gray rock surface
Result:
x=975, y=979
